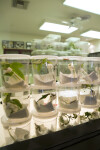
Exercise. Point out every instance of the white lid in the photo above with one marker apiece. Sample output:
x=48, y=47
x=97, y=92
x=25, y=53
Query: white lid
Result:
x=12, y=90
x=90, y=106
x=69, y=111
x=45, y=115
x=77, y=58
x=50, y=57
x=71, y=84
x=33, y=86
x=14, y=56
x=89, y=59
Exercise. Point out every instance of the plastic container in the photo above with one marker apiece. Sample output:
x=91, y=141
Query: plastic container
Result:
x=17, y=133
x=89, y=95
x=88, y=114
x=68, y=119
x=45, y=124
x=44, y=70
x=68, y=69
x=68, y=98
x=89, y=72
x=44, y=100
x=16, y=106
x=15, y=70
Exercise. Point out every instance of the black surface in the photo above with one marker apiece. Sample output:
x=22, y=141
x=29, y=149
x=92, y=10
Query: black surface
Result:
x=82, y=137
x=96, y=54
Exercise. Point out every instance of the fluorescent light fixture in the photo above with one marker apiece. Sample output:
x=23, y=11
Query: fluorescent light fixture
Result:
x=57, y=28
x=92, y=6
x=91, y=34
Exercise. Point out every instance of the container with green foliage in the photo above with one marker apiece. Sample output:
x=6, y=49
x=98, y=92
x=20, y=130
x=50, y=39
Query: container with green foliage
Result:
x=16, y=104
x=45, y=124
x=67, y=119
x=89, y=70
x=44, y=70
x=44, y=100
x=14, y=70
x=88, y=95
x=89, y=114
x=68, y=69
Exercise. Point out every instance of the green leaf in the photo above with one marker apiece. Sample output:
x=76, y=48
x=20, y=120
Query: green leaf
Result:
x=86, y=85
x=87, y=114
x=43, y=96
x=16, y=102
x=15, y=68
x=61, y=119
x=99, y=109
x=16, y=64
x=82, y=65
x=75, y=116
x=37, y=64
x=9, y=73
x=7, y=97
x=5, y=65
x=38, y=127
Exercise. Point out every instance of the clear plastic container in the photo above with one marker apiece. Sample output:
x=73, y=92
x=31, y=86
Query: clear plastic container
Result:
x=16, y=106
x=88, y=114
x=68, y=69
x=15, y=70
x=17, y=133
x=44, y=70
x=89, y=72
x=44, y=100
x=68, y=98
x=45, y=124
x=68, y=119
x=89, y=95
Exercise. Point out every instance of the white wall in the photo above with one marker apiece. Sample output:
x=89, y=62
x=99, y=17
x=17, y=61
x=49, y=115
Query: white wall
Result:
x=96, y=43
x=15, y=37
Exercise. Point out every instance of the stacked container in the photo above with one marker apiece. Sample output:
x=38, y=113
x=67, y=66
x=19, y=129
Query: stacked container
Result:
x=44, y=94
x=89, y=85
x=15, y=90
x=68, y=89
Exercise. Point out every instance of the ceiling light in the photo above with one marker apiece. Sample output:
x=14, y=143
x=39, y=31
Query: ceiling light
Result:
x=57, y=28
x=92, y=6
x=91, y=34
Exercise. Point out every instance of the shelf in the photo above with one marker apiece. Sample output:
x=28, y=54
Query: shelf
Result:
x=17, y=51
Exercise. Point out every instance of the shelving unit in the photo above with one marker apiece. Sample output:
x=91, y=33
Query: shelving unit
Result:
x=17, y=51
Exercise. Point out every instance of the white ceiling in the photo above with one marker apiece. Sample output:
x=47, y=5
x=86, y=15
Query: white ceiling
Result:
x=28, y=21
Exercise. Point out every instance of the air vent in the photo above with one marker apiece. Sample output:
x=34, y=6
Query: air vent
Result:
x=20, y=4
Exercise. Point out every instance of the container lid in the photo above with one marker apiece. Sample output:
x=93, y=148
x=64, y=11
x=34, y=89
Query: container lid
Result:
x=50, y=57
x=69, y=111
x=37, y=87
x=69, y=85
x=14, y=56
x=45, y=115
x=12, y=90
x=77, y=58
x=89, y=59
x=90, y=106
